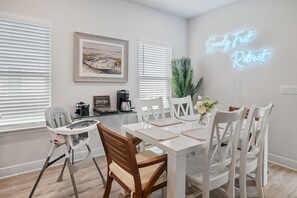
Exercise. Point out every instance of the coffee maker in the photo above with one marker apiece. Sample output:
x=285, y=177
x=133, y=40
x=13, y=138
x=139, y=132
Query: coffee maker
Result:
x=123, y=102
x=82, y=109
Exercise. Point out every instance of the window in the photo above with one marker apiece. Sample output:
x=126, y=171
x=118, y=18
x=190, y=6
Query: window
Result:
x=24, y=72
x=154, y=70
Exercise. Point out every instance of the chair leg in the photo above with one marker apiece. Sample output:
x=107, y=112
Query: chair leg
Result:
x=205, y=190
x=72, y=177
x=102, y=177
x=108, y=187
x=259, y=183
x=60, y=178
x=39, y=176
x=242, y=186
x=231, y=189
x=45, y=165
x=72, y=161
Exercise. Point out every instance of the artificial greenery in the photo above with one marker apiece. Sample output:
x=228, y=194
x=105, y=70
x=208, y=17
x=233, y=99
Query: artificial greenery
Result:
x=182, y=78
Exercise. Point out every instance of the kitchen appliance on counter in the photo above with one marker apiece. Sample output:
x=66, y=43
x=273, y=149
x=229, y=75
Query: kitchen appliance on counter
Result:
x=123, y=102
x=82, y=109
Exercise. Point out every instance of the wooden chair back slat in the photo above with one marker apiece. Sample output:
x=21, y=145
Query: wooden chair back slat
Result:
x=118, y=146
x=118, y=157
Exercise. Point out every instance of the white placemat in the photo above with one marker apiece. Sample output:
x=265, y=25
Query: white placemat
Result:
x=189, y=118
x=198, y=134
x=164, y=122
x=157, y=133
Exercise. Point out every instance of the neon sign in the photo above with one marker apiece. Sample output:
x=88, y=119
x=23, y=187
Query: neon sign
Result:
x=243, y=58
x=231, y=43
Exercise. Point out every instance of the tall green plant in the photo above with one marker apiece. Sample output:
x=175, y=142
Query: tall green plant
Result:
x=182, y=78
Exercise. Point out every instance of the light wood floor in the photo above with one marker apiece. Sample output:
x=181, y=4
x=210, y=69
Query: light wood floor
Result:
x=282, y=183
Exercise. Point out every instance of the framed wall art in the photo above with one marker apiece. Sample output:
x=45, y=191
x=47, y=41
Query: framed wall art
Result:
x=101, y=101
x=100, y=59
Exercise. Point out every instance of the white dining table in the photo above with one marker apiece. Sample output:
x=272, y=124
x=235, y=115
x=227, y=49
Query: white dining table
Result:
x=177, y=150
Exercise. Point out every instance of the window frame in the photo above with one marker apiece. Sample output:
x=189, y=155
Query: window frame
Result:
x=18, y=127
x=170, y=46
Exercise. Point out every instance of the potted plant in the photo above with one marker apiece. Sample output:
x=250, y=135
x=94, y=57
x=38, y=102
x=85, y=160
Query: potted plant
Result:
x=182, y=78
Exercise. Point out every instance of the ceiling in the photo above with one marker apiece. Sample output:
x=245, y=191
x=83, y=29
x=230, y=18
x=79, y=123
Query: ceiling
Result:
x=184, y=8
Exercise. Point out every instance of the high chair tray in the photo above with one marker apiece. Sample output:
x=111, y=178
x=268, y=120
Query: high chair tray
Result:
x=81, y=126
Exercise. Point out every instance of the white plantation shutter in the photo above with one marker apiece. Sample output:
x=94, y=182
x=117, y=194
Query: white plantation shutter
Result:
x=24, y=72
x=154, y=61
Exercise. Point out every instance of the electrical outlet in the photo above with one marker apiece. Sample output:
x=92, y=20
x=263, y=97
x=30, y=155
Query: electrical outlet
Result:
x=289, y=89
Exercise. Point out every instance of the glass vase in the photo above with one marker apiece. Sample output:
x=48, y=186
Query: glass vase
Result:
x=203, y=120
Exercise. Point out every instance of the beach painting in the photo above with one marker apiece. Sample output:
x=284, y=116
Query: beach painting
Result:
x=100, y=59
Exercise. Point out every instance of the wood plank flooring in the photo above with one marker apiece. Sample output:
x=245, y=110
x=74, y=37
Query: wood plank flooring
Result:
x=282, y=183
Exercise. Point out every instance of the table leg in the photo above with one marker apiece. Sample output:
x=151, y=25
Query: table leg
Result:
x=176, y=176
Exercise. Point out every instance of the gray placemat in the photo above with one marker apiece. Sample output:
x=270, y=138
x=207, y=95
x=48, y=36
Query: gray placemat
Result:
x=198, y=134
x=157, y=133
x=189, y=118
x=164, y=122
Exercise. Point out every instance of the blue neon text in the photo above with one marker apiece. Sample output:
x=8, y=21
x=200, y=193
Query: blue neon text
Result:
x=243, y=58
x=231, y=43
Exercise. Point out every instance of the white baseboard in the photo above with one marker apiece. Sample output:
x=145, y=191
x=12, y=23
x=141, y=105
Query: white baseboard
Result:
x=282, y=161
x=37, y=165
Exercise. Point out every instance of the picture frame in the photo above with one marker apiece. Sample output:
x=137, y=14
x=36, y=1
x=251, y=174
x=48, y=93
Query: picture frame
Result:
x=100, y=59
x=101, y=101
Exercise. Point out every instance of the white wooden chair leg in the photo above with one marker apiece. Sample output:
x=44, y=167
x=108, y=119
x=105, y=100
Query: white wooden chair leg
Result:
x=205, y=193
x=242, y=186
x=231, y=189
x=259, y=182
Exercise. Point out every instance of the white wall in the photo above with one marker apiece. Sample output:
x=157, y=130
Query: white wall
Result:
x=112, y=18
x=275, y=23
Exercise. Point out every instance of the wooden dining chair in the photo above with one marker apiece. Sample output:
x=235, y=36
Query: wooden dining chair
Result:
x=139, y=174
x=180, y=106
x=252, y=150
x=217, y=167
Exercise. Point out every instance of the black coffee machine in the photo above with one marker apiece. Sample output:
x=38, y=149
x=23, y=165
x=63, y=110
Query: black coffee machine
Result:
x=82, y=109
x=123, y=102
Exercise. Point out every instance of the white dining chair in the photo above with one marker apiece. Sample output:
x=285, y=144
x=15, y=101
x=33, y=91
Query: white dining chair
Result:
x=149, y=109
x=252, y=148
x=180, y=106
x=217, y=167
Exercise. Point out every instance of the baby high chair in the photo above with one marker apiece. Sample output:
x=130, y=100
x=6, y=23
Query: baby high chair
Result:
x=70, y=136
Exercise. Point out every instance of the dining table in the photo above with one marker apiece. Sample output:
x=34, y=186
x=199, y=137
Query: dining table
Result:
x=175, y=137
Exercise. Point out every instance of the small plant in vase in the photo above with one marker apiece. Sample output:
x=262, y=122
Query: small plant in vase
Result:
x=204, y=107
